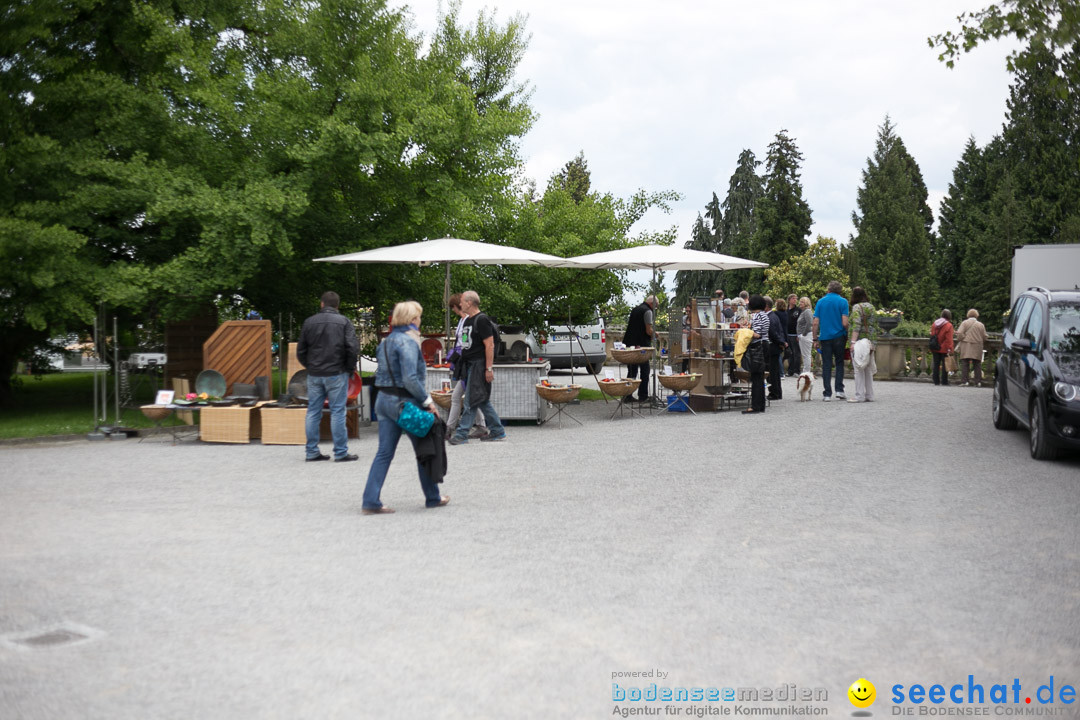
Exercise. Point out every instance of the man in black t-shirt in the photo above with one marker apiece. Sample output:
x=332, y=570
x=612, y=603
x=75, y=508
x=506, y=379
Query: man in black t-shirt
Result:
x=477, y=371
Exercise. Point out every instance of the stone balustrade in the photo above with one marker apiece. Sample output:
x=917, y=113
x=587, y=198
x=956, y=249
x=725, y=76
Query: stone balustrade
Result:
x=910, y=359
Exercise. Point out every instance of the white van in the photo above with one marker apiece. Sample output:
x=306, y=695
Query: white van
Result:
x=558, y=346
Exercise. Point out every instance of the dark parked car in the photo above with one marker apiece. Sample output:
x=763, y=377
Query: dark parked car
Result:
x=1037, y=379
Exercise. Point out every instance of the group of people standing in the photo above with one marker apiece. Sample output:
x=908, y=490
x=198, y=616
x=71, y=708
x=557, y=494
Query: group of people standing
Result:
x=329, y=349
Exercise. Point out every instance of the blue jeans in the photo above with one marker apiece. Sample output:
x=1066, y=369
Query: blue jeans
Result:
x=468, y=414
x=832, y=350
x=336, y=389
x=386, y=406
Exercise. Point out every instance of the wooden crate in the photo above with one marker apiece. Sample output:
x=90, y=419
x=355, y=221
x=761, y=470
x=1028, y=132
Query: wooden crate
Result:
x=229, y=424
x=285, y=426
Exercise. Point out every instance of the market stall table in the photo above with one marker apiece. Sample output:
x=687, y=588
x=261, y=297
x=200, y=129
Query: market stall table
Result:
x=513, y=388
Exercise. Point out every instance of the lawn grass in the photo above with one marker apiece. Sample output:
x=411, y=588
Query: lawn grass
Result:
x=63, y=404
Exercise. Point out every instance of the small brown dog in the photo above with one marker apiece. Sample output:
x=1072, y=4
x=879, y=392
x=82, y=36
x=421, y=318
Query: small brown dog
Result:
x=805, y=385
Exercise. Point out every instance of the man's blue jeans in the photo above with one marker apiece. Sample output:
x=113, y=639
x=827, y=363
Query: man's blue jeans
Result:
x=334, y=388
x=832, y=350
x=468, y=414
x=389, y=434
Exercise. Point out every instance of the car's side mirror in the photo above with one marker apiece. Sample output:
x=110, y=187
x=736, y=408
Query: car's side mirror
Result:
x=1024, y=346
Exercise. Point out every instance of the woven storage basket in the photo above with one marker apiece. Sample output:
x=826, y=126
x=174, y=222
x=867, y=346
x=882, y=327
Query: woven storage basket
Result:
x=225, y=424
x=442, y=399
x=636, y=356
x=155, y=412
x=619, y=388
x=558, y=395
x=679, y=383
x=283, y=426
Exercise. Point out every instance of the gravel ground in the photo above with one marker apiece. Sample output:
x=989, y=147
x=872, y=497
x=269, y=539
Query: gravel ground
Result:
x=905, y=541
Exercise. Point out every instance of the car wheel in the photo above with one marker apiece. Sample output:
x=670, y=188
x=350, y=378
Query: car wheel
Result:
x=1041, y=449
x=518, y=351
x=1003, y=419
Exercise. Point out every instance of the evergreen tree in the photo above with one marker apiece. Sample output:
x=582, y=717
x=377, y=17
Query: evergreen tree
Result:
x=1040, y=144
x=738, y=224
x=963, y=219
x=575, y=178
x=781, y=214
x=892, y=226
x=696, y=283
x=987, y=266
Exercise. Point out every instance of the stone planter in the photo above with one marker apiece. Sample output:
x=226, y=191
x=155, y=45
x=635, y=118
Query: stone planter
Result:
x=888, y=324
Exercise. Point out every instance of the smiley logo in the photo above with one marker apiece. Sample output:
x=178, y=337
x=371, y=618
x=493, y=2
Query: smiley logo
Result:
x=862, y=693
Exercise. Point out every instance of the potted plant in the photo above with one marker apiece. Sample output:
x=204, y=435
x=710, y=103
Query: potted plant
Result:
x=888, y=319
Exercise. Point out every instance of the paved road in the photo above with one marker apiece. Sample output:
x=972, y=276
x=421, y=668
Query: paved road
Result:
x=904, y=541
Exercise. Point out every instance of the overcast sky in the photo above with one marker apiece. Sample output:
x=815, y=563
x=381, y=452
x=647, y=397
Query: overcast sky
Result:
x=665, y=95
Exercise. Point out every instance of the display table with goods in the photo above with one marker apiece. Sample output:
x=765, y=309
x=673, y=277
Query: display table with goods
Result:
x=710, y=352
x=557, y=396
x=621, y=390
x=513, y=388
x=680, y=385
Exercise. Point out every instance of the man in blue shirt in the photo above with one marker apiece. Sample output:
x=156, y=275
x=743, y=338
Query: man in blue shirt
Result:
x=830, y=336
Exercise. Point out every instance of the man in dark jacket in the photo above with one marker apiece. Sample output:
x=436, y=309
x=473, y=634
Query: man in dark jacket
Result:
x=794, y=356
x=639, y=333
x=328, y=349
x=775, y=353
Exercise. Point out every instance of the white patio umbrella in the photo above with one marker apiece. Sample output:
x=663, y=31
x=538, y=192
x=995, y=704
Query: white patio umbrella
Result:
x=661, y=257
x=449, y=252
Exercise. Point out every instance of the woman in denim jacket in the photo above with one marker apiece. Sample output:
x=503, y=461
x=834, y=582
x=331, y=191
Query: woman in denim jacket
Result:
x=400, y=376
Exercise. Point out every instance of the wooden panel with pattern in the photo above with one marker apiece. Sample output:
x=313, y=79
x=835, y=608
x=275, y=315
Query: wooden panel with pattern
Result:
x=239, y=350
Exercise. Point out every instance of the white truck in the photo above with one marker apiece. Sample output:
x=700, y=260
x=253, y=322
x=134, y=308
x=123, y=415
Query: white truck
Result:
x=1054, y=267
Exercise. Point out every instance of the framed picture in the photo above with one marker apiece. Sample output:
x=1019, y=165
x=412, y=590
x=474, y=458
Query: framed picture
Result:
x=164, y=397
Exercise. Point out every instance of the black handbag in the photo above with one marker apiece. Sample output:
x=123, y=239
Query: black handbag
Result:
x=753, y=360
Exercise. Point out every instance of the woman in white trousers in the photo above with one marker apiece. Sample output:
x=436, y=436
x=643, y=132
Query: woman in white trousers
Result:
x=805, y=331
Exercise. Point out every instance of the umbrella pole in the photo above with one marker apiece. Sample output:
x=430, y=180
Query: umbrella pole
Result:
x=588, y=365
x=446, y=310
x=573, y=333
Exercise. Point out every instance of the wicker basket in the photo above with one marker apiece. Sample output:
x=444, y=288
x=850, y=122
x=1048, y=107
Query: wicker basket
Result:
x=558, y=395
x=284, y=426
x=226, y=425
x=155, y=412
x=442, y=399
x=637, y=356
x=680, y=383
x=619, y=388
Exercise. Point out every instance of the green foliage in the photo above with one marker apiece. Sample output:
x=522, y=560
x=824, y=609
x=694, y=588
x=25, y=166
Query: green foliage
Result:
x=781, y=215
x=557, y=224
x=892, y=229
x=1050, y=24
x=158, y=156
x=1021, y=188
x=912, y=329
x=807, y=274
x=574, y=178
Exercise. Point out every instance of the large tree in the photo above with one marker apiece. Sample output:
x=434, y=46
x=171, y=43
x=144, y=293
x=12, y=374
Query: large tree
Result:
x=162, y=154
x=1049, y=24
x=808, y=274
x=892, y=228
x=745, y=188
x=962, y=220
x=781, y=215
